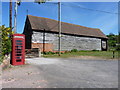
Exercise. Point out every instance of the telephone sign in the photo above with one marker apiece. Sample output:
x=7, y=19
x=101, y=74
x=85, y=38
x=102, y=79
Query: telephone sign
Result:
x=18, y=49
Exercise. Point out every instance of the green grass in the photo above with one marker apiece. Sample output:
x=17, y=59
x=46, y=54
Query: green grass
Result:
x=99, y=54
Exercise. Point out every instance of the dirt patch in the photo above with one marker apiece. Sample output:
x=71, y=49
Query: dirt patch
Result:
x=91, y=58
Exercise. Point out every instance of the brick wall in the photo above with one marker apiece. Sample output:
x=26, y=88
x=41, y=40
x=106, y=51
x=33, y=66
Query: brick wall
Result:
x=48, y=46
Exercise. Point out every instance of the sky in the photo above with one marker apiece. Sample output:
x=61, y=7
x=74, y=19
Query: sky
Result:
x=102, y=15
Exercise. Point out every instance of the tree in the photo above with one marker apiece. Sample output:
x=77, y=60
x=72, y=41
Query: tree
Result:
x=6, y=40
x=41, y=1
x=112, y=41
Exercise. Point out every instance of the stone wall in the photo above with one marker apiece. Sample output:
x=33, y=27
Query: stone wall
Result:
x=68, y=42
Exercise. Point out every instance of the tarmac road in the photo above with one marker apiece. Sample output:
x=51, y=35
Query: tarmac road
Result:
x=62, y=73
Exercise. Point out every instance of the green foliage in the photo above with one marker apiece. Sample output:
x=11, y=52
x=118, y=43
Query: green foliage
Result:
x=57, y=53
x=41, y=1
x=51, y=53
x=118, y=47
x=112, y=41
x=96, y=54
x=18, y=2
x=74, y=50
x=48, y=53
x=6, y=41
x=95, y=50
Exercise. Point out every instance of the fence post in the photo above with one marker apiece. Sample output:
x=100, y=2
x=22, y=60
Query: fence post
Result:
x=113, y=54
x=39, y=53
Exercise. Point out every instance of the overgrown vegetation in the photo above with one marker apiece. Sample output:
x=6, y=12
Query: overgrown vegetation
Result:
x=50, y=53
x=74, y=50
x=113, y=42
x=6, y=41
x=41, y=1
x=98, y=54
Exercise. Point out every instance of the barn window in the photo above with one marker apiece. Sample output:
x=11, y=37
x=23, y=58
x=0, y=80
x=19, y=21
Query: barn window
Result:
x=104, y=44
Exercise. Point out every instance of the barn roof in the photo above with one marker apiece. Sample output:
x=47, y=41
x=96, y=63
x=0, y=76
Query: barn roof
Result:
x=40, y=23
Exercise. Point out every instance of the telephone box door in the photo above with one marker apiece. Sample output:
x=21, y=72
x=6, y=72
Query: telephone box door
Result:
x=18, y=49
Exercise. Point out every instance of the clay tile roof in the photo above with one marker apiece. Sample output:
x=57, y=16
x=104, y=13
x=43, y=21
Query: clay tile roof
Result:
x=40, y=23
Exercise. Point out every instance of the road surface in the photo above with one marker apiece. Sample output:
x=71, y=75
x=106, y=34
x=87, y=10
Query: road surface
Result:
x=62, y=73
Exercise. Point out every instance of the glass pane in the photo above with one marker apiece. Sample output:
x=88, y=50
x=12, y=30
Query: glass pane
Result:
x=18, y=43
x=18, y=40
x=18, y=47
x=18, y=54
x=19, y=51
x=18, y=57
x=18, y=60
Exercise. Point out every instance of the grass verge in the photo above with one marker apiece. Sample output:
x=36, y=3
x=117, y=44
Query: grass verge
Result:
x=99, y=54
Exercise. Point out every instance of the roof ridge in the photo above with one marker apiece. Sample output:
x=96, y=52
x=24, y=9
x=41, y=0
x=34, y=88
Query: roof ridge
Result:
x=66, y=23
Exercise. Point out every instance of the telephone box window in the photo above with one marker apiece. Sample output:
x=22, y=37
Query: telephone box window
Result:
x=18, y=40
x=18, y=47
x=18, y=57
x=19, y=51
x=18, y=60
x=18, y=43
x=18, y=54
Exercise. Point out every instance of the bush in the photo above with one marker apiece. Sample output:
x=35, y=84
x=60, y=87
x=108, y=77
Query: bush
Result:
x=74, y=50
x=95, y=50
x=5, y=40
x=47, y=53
x=50, y=53
x=57, y=53
x=118, y=48
x=62, y=53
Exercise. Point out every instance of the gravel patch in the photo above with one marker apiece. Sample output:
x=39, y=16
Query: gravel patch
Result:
x=62, y=73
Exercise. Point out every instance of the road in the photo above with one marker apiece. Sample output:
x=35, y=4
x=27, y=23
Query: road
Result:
x=62, y=73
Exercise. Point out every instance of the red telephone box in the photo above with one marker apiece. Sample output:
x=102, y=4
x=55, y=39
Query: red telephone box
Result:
x=18, y=49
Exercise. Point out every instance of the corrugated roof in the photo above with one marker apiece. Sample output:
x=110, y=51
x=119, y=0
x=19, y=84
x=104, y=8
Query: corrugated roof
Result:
x=40, y=23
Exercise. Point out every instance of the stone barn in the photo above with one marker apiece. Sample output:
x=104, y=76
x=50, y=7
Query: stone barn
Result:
x=42, y=33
